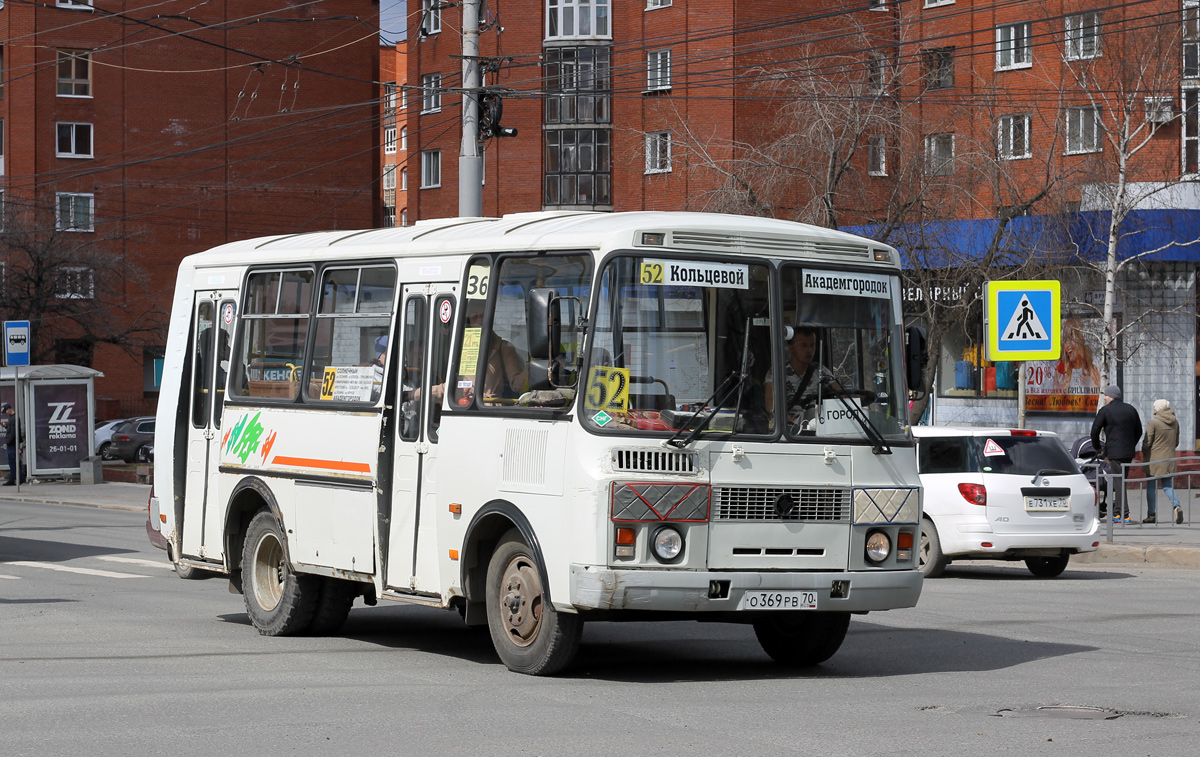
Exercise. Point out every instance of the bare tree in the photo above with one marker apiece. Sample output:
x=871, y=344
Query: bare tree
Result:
x=71, y=287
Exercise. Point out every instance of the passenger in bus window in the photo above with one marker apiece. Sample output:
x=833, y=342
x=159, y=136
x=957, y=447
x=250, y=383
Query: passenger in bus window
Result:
x=507, y=376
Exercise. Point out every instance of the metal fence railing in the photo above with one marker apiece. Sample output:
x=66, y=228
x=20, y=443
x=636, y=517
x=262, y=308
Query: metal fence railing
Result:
x=1108, y=482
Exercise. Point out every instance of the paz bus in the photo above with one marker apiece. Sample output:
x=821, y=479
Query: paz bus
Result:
x=546, y=419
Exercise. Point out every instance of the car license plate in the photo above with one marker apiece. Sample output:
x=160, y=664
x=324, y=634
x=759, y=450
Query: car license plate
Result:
x=778, y=600
x=1047, y=503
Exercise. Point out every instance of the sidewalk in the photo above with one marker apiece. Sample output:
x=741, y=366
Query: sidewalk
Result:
x=1164, y=543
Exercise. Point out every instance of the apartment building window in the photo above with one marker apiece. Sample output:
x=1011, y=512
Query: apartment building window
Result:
x=75, y=283
x=404, y=217
x=73, y=140
x=1, y=147
x=403, y=138
x=389, y=140
x=389, y=216
x=1190, y=125
x=74, y=73
x=578, y=18
x=1013, y=46
x=403, y=99
x=74, y=212
x=1083, y=36
x=403, y=179
x=1191, y=38
x=935, y=3
x=652, y=4
x=939, y=154
x=431, y=169
x=877, y=155
x=431, y=93
x=1013, y=137
x=876, y=5
x=578, y=85
x=658, y=70
x=1160, y=110
x=431, y=16
x=389, y=178
x=77, y=4
x=877, y=72
x=658, y=152
x=390, y=92
x=1, y=64
x=578, y=167
x=939, y=68
x=1083, y=130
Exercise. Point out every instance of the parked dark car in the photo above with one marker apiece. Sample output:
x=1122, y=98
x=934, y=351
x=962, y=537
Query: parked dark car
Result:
x=104, y=433
x=133, y=440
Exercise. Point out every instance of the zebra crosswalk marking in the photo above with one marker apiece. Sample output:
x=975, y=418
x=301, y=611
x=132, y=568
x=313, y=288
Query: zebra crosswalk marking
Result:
x=82, y=571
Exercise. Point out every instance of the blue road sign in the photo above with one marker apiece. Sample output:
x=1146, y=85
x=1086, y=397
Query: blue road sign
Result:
x=1022, y=320
x=16, y=343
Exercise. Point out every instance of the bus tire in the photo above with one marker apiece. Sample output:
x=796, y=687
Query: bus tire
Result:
x=529, y=635
x=801, y=638
x=931, y=559
x=278, y=601
x=1048, y=567
x=188, y=573
x=334, y=601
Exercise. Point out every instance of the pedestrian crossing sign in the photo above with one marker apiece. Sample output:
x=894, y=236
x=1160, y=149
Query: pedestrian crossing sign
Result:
x=1022, y=320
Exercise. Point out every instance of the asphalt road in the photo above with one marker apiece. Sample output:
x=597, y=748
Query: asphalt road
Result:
x=105, y=652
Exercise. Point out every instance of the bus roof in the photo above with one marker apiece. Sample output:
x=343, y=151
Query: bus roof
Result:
x=557, y=230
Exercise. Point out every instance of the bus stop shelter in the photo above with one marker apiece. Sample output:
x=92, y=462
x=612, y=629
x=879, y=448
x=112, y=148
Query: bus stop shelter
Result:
x=56, y=412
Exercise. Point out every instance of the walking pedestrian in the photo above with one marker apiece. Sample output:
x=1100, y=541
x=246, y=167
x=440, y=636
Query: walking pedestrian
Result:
x=1162, y=437
x=12, y=445
x=1121, y=427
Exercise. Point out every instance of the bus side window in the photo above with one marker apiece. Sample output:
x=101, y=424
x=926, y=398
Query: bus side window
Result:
x=202, y=365
x=349, y=352
x=439, y=358
x=272, y=332
x=412, y=374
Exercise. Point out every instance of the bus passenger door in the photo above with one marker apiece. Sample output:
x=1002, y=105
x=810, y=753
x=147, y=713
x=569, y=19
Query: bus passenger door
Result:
x=427, y=321
x=213, y=333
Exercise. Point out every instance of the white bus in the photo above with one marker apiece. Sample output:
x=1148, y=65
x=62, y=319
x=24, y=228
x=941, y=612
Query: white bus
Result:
x=543, y=419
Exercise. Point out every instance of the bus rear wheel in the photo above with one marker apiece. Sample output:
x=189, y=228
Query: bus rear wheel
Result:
x=332, y=606
x=530, y=636
x=801, y=638
x=278, y=601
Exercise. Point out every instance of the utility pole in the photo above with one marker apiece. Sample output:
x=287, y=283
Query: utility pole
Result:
x=470, y=156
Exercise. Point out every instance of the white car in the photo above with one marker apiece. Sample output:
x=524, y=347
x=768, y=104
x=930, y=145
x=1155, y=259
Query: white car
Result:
x=1002, y=494
x=104, y=432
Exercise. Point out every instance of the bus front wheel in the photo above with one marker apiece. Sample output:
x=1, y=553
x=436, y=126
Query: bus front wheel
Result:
x=278, y=601
x=801, y=638
x=530, y=636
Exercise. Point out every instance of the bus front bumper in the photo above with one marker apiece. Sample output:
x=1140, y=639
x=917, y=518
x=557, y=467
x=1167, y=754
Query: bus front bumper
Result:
x=600, y=588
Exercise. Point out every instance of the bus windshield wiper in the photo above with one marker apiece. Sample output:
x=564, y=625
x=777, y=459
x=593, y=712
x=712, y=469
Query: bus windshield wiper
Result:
x=879, y=444
x=738, y=379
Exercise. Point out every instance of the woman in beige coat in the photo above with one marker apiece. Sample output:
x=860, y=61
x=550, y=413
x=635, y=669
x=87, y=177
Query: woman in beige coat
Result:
x=1158, y=446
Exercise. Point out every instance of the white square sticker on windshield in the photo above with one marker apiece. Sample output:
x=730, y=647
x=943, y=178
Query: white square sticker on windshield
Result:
x=991, y=449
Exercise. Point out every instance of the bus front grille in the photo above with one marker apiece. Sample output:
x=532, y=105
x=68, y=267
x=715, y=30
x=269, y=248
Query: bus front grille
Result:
x=741, y=503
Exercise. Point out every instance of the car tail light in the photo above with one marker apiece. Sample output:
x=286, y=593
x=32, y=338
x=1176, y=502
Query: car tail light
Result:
x=976, y=494
x=1022, y=432
x=123, y=438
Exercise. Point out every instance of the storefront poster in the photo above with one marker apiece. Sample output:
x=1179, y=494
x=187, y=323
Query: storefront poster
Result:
x=1070, y=384
x=60, y=426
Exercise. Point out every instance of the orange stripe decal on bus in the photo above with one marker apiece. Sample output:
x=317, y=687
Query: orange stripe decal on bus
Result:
x=304, y=462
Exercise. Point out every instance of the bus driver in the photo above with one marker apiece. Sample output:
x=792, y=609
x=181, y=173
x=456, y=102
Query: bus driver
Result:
x=798, y=372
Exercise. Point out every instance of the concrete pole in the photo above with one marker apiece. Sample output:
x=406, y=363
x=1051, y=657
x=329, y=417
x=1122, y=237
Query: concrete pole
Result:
x=470, y=156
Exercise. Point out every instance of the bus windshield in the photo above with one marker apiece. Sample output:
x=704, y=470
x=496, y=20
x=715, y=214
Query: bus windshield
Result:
x=670, y=336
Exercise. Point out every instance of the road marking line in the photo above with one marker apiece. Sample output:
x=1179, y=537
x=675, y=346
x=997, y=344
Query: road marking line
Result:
x=84, y=571
x=15, y=578
x=136, y=561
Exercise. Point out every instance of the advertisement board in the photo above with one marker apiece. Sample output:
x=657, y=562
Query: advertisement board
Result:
x=1070, y=384
x=60, y=426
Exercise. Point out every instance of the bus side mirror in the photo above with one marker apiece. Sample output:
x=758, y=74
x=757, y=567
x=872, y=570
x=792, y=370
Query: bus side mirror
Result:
x=545, y=336
x=915, y=357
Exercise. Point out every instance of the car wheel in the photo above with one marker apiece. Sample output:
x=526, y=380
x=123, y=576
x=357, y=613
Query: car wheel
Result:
x=278, y=601
x=530, y=636
x=105, y=451
x=1048, y=567
x=801, y=638
x=143, y=454
x=932, y=561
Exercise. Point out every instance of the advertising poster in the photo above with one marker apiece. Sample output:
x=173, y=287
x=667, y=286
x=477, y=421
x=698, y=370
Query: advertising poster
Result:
x=1070, y=384
x=60, y=426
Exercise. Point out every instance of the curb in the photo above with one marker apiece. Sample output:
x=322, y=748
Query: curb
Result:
x=93, y=505
x=1132, y=553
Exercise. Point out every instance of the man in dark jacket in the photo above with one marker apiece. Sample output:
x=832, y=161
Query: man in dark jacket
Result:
x=12, y=444
x=1121, y=427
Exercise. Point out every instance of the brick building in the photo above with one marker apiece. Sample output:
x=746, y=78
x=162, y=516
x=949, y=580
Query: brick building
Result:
x=133, y=136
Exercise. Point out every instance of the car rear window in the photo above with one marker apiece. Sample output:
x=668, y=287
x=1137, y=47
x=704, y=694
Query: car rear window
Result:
x=944, y=454
x=1021, y=455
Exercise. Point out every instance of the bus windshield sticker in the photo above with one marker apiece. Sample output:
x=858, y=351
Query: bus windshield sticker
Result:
x=477, y=282
x=469, y=359
x=852, y=284
x=601, y=418
x=991, y=449
x=694, y=273
x=348, y=383
x=608, y=389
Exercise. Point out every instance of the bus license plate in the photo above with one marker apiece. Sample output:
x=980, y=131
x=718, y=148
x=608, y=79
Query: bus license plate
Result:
x=1047, y=503
x=778, y=600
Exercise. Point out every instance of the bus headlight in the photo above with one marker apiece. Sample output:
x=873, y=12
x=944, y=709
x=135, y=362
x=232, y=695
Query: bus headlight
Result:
x=667, y=544
x=879, y=546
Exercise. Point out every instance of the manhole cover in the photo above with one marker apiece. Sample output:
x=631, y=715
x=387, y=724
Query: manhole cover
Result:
x=1067, y=712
